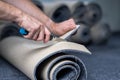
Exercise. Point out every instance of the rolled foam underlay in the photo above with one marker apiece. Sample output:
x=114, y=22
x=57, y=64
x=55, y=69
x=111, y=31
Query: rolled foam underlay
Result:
x=55, y=60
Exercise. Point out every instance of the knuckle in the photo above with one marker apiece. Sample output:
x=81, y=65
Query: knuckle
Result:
x=35, y=28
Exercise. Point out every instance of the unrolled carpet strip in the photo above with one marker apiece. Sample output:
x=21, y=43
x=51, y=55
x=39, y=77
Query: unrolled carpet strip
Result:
x=55, y=60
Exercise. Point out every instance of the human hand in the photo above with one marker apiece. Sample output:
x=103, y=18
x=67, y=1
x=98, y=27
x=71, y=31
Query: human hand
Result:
x=63, y=27
x=36, y=29
x=47, y=35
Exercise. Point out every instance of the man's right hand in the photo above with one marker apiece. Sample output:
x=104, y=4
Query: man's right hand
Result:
x=36, y=29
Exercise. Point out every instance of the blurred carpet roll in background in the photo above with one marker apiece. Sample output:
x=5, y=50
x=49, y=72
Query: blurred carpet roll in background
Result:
x=62, y=13
x=100, y=33
x=78, y=12
x=82, y=11
x=93, y=14
x=8, y=29
x=58, y=11
x=55, y=60
x=82, y=35
x=88, y=13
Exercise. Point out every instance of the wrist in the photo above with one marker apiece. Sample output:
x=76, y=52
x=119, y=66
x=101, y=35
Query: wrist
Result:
x=50, y=25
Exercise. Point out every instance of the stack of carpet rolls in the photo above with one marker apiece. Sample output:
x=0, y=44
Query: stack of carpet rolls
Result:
x=87, y=14
x=54, y=60
x=57, y=10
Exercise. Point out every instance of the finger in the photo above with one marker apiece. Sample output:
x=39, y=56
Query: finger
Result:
x=30, y=34
x=47, y=35
x=47, y=38
x=36, y=35
x=41, y=34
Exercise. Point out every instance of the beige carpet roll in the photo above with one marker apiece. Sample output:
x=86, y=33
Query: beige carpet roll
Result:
x=55, y=60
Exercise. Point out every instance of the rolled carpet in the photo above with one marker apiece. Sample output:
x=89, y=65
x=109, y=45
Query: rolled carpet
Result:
x=100, y=33
x=61, y=13
x=55, y=60
x=81, y=36
x=88, y=12
x=58, y=11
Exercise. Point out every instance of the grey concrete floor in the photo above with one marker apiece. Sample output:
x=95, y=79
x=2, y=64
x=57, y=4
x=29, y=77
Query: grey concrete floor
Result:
x=103, y=64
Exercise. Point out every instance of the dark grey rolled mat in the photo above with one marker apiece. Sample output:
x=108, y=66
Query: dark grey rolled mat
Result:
x=79, y=12
x=100, y=33
x=94, y=13
x=55, y=60
x=8, y=29
x=61, y=13
x=89, y=13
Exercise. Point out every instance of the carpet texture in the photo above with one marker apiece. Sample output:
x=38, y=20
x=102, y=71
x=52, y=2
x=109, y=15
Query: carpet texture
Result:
x=55, y=60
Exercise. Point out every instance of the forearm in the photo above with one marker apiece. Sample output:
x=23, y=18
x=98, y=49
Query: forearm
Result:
x=28, y=7
x=9, y=12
